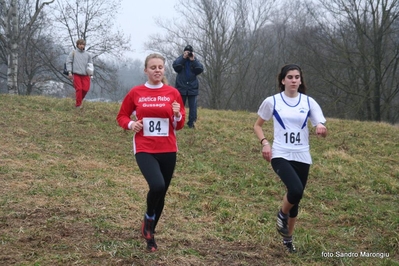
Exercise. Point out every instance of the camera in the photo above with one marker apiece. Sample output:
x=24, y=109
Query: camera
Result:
x=190, y=54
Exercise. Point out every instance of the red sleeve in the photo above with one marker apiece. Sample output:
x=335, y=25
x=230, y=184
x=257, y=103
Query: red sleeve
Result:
x=126, y=111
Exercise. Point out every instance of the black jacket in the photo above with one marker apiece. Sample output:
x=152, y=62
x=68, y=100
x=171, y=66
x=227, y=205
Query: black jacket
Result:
x=186, y=81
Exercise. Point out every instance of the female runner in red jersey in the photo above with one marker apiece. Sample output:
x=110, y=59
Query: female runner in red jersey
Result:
x=160, y=112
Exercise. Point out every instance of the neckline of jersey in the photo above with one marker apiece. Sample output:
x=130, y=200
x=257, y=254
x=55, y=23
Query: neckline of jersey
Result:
x=299, y=99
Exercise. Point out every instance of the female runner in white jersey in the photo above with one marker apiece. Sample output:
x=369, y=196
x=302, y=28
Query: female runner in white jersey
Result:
x=160, y=112
x=289, y=155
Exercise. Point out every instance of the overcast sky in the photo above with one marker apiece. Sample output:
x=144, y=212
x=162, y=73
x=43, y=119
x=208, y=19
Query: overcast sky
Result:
x=137, y=19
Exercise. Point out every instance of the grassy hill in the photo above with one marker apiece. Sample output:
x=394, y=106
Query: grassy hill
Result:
x=72, y=194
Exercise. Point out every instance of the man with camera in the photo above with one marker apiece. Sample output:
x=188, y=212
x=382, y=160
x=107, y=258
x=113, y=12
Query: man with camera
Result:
x=188, y=67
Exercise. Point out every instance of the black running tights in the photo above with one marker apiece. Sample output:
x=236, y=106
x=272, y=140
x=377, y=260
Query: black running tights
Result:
x=157, y=169
x=294, y=176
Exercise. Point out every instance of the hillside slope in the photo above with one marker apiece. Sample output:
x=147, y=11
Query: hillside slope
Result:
x=71, y=192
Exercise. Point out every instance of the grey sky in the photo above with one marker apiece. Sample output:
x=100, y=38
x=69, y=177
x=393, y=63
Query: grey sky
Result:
x=137, y=19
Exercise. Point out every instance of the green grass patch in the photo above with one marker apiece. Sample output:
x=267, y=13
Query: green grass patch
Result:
x=72, y=193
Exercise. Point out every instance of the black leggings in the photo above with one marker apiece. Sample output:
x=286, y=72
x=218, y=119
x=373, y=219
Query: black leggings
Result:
x=158, y=170
x=294, y=175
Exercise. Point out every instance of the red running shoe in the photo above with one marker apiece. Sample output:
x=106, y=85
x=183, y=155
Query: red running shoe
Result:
x=147, y=228
x=151, y=245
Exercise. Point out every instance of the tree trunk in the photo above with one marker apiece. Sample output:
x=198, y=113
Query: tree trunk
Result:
x=12, y=71
x=14, y=37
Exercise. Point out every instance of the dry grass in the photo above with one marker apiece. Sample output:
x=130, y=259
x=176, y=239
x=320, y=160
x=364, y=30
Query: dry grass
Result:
x=72, y=194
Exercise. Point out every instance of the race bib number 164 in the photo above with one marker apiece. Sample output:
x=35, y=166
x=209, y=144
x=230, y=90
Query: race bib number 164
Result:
x=156, y=127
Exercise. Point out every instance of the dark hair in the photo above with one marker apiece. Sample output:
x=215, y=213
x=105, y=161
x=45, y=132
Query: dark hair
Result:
x=283, y=73
x=188, y=48
x=155, y=55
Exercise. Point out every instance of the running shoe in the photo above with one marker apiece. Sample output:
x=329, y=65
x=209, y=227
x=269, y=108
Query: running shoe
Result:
x=282, y=226
x=147, y=228
x=151, y=245
x=289, y=246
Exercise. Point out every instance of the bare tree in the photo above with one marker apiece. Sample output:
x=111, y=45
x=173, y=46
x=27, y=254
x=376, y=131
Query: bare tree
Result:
x=225, y=36
x=92, y=20
x=14, y=33
x=34, y=66
x=358, y=47
x=276, y=46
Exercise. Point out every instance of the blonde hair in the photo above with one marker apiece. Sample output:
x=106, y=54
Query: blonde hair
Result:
x=80, y=41
x=151, y=56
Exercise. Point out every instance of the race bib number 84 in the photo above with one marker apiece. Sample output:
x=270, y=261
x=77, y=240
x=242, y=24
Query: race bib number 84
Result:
x=156, y=127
